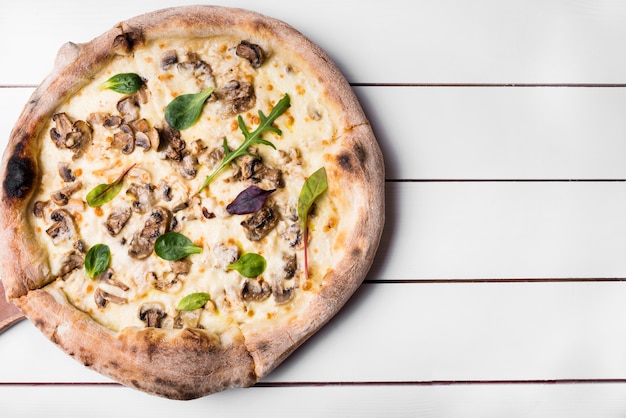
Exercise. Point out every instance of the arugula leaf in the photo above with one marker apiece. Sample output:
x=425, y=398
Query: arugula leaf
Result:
x=125, y=83
x=184, y=110
x=173, y=246
x=249, y=265
x=97, y=259
x=104, y=193
x=313, y=187
x=193, y=301
x=251, y=138
x=248, y=201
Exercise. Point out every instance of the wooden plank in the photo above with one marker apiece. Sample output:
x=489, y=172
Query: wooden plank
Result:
x=421, y=333
x=397, y=41
x=478, y=133
x=573, y=401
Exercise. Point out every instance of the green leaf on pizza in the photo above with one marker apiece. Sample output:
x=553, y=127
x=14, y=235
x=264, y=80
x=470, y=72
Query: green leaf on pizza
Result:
x=125, y=83
x=184, y=110
x=104, y=193
x=249, y=265
x=313, y=188
x=193, y=301
x=173, y=246
x=97, y=259
x=250, y=138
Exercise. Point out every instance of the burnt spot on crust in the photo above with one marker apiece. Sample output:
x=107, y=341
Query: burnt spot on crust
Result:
x=360, y=153
x=20, y=177
x=345, y=162
x=356, y=252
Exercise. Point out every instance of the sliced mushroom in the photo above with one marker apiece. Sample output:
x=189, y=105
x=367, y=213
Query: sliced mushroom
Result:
x=128, y=107
x=290, y=267
x=236, y=97
x=252, y=52
x=142, y=243
x=124, y=139
x=293, y=235
x=198, y=69
x=103, y=297
x=107, y=277
x=65, y=172
x=62, y=197
x=188, y=166
x=80, y=246
x=253, y=169
x=168, y=59
x=282, y=295
x=63, y=227
x=171, y=143
x=39, y=208
x=168, y=282
x=181, y=267
x=260, y=223
x=188, y=319
x=146, y=136
x=117, y=219
x=63, y=126
x=143, y=196
x=152, y=314
x=255, y=290
x=70, y=262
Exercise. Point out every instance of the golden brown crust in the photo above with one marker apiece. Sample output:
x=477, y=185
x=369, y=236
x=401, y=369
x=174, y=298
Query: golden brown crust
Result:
x=188, y=363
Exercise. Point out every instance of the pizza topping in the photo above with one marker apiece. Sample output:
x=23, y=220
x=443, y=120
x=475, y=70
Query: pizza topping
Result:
x=66, y=173
x=236, y=97
x=253, y=169
x=97, y=259
x=168, y=59
x=125, y=83
x=107, y=277
x=102, y=298
x=128, y=107
x=124, y=139
x=62, y=197
x=174, y=246
x=104, y=193
x=75, y=136
x=251, y=138
x=142, y=195
x=70, y=262
x=39, y=208
x=251, y=52
x=281, y=294
x=193, y=301
x=290, y=267
x=196, y=68
x=293, y=235
x=117, y=219
x=249, y=265
x=184, y=110
x=63, y=227
x=255, y=290
x=188, y=167
x=260, y=223
x=248, y=201
x=313, y=187
x=181, y=266
x=152, y=314
x=146, y=137
x=171, y=143
x=156, y=225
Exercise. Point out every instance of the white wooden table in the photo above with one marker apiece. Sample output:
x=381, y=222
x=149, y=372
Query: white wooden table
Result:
x=499, y=289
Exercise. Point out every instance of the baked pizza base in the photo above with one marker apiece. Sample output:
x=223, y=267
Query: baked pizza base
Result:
x=187, y=363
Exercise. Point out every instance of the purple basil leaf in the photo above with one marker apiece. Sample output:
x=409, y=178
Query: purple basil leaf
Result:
x=248, y=201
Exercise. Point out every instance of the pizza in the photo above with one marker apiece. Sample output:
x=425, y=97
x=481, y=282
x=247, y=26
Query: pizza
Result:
x=189, y=197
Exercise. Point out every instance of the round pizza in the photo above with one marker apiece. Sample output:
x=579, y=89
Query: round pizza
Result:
x=187, y=198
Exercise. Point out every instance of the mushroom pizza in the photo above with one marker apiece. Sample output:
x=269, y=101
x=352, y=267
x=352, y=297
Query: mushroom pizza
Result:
x=198, y=191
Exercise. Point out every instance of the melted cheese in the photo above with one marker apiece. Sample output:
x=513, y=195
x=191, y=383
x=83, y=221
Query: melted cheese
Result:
x=307, y=128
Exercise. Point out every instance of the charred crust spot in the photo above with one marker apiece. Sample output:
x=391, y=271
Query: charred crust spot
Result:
x=360, y=153
x=356, y=252
x=345, y=162
x=127, y=40
x=20, y=177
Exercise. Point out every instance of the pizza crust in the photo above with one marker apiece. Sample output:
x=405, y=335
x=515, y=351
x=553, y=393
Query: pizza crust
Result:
x=187, y=363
